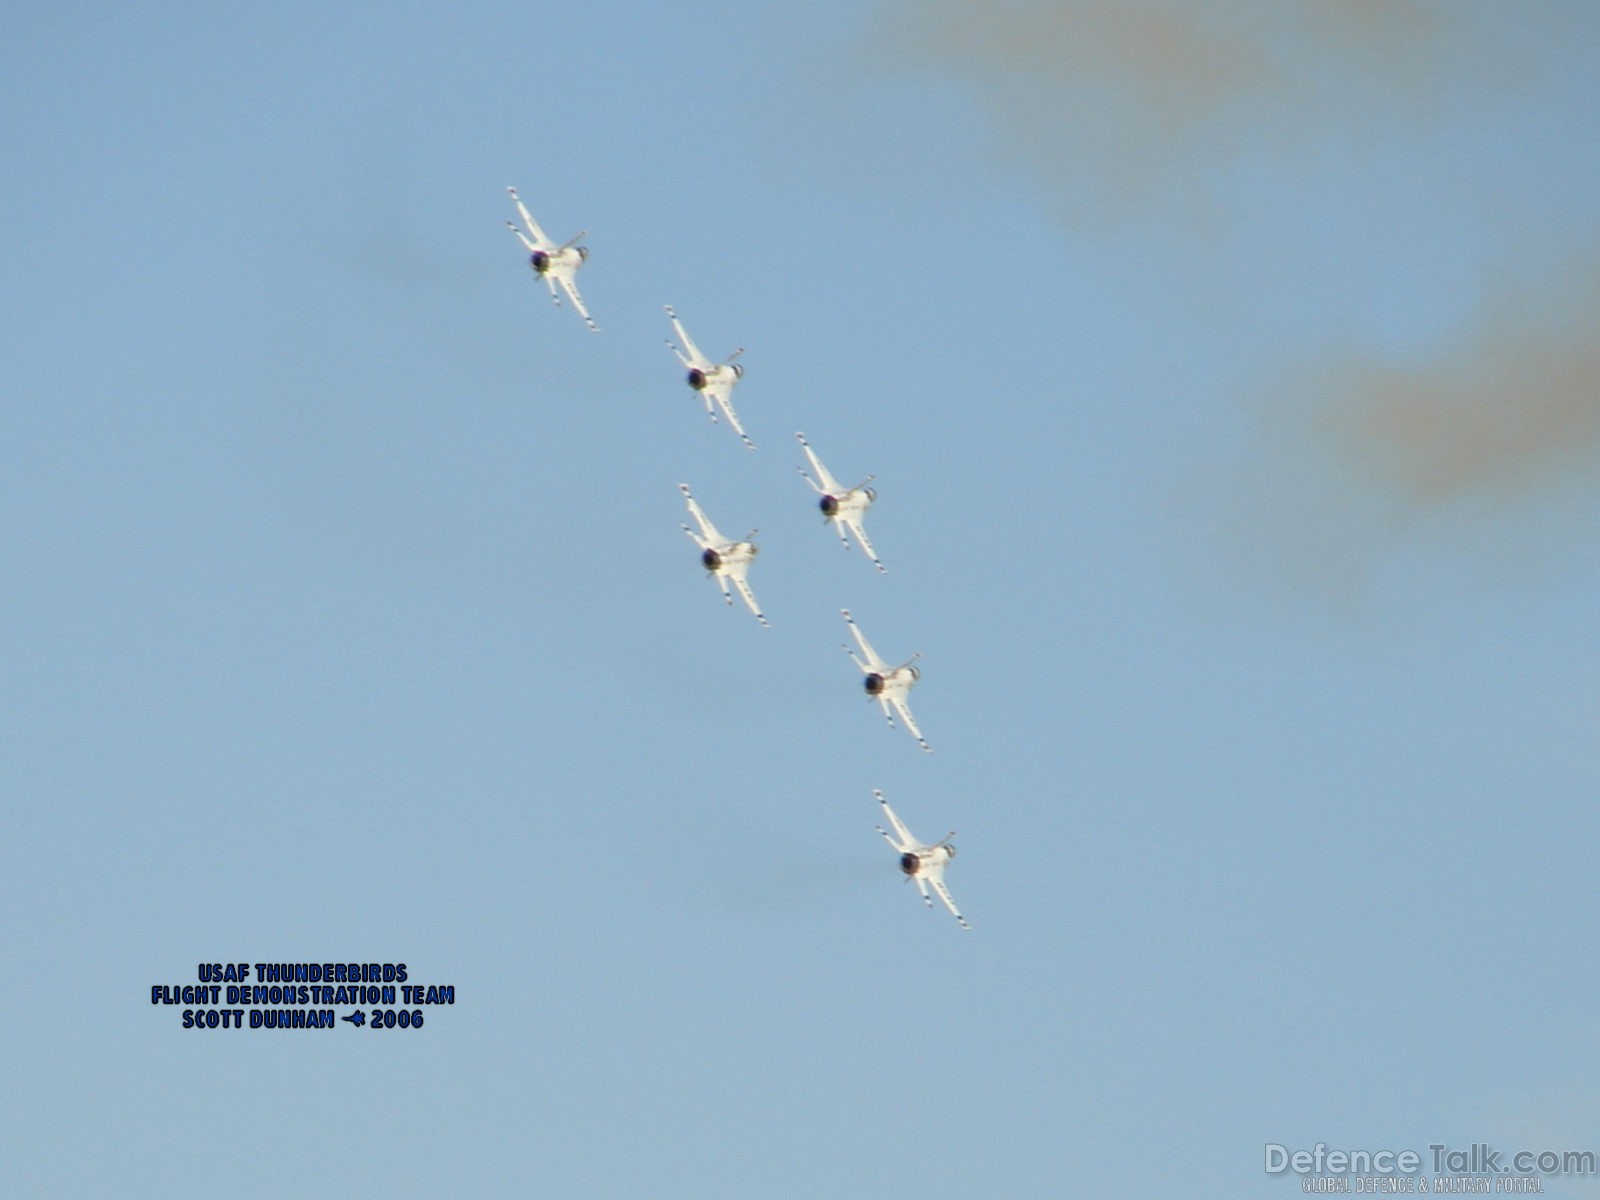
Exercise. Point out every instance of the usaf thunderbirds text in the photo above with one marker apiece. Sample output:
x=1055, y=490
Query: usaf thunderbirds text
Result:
x=302, y=996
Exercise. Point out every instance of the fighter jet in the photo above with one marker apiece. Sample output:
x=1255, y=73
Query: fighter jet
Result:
x=922, y=864
x=552, y=263
x=885, y=684
x=714, y=381
x=843, y=507
x=727, y=561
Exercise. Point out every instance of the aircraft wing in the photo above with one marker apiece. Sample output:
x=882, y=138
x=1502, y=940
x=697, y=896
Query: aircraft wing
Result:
x=723, y=395
x=538, y=235
x=826, y=481
x=904, y=709
x=569, y=284
x=695, y=357
x=895, y=823
x=743, y=584
x=708, y=531
x=853, y=524
x=867, y=652
x=937, y=884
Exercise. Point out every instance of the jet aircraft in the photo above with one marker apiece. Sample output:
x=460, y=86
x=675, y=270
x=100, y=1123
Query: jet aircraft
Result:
x=714, y=381
x=887, y=685
x=552, y=263
x=727, y=561
x=921, y=863
x=843, y=507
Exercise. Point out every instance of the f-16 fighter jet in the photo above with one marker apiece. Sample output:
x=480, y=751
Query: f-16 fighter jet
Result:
x=844, y=507
x=922, y=864
x=552, y=263
x=714, y=381
x=885, y=684
x=726, y=561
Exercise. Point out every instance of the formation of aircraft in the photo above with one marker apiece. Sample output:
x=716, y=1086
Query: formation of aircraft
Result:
x=714, y=381
x=724, y=559
x=923, y=864
x=552, y=263
x=728, y=561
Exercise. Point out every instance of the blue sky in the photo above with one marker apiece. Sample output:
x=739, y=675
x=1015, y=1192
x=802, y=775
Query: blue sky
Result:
x=1228, y=377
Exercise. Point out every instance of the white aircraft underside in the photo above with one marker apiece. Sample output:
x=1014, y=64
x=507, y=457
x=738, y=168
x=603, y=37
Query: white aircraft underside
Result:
x=552, y=263
x=920, y=862
x=843, y=507
x=714, y=381
x=725, y=560
x=889, y=686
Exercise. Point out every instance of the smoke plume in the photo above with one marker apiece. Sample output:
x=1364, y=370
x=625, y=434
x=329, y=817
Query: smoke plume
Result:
x=1153, y=110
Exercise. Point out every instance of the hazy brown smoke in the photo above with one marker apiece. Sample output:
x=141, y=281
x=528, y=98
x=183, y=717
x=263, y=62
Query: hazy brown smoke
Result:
x=1481, y=445
x=1142, y=108
x=1127, y=104
x=1515, y=396
x=1097, y=102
